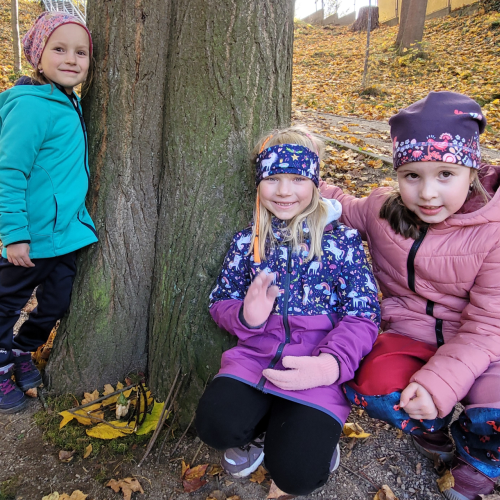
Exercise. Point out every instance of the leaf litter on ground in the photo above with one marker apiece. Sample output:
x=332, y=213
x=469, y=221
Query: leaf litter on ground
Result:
x=128, y=486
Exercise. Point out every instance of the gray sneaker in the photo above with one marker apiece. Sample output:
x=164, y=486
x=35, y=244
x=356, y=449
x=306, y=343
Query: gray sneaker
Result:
x=242, y=461
x=334, y=464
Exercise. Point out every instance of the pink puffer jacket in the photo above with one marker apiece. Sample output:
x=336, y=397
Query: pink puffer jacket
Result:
x=456, y=266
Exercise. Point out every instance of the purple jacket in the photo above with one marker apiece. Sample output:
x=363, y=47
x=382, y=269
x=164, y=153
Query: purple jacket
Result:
x=329, y=306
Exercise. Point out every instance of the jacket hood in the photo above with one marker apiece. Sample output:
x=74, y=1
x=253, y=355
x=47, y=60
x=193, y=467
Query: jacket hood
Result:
x=474, y=212
x=26, y=87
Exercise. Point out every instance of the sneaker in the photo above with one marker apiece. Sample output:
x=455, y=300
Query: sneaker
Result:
x=26, y=373
x=437, y=443
x=12, y=399
x=242, y=461
x=335, y=462
x=470, y=484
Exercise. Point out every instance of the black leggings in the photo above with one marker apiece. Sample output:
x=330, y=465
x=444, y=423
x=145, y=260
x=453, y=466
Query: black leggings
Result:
x=299, y=441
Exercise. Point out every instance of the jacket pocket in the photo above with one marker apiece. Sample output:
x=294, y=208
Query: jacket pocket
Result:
x=66, y=211
x=40, y=202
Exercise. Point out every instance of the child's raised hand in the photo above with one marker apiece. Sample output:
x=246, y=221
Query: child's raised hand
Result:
x=19, y=255
x=418, y=403
x=259, y=299
x=305, y=372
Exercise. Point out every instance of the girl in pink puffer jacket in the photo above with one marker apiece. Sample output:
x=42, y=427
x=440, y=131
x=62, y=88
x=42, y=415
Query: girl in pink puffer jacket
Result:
x=435, y=245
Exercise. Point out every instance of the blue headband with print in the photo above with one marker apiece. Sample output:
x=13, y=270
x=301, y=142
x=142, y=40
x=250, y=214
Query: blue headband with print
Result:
x=287, y=159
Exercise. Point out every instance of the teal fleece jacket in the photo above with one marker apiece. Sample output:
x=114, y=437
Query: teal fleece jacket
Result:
x=44, y=174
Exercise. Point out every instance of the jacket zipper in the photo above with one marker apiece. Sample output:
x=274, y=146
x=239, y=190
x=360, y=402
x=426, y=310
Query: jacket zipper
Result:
x=279, y=352
x=410, y=266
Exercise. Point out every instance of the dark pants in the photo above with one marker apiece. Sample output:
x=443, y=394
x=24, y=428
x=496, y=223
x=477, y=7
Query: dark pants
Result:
x=299, y=441
x=54, y=277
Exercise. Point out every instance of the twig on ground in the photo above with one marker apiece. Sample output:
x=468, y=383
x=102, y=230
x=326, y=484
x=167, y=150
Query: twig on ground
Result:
x=197, y=452
x=171, y=424
x=161, y=420
x=362, y=476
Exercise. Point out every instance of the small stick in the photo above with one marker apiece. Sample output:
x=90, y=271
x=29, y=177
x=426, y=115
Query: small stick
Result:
x=170, y=427
x=102, y=398
x=183, y=434
x=197, y=451
x=161, y=421
x=363, y=476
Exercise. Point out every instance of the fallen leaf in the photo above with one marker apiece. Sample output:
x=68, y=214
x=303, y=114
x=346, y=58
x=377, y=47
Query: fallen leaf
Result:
x=32, y=393
x=52, y=496
x=105, y=431
x=216, y=495
x=128, y=485
x=234, y=497
x=259, y=475
x=81, y=415
x=191, y=478
x=355, y=431
x=76, y=495
x=399, y=433
x=151, y=420
x=88, y=451
x=385, y=493
x=195, y=472
x=108, y=389
x=446, y=482
x=66, y=456
x=418, y=469
x=276, y=493
x=215, y=470
x=90, y=396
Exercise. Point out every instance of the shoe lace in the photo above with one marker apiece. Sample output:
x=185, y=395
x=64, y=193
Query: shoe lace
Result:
x=255, y=444
x=7, y=386
x=25, y=366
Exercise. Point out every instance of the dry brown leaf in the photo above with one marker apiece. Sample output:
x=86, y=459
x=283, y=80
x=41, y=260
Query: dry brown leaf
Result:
x=76, y=495
x=446, y=482
x=216, y=495
x=354, y=431
x=259, y=475
x=108, y=389
x=276, y=493
x=32, y=393
x=128, y=486
x=234, y=497
x=90, y=396
x=215, y=470
x=88, y=451
x=418, y=469
x=192, y=478
x=385, y=493
x=66, y=456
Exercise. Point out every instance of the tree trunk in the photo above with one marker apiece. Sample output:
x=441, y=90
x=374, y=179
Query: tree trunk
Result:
x=361, y=23
x=181, y=93
x=229, y=81
x=16, y=42
x=411, y=24
x=367, y=52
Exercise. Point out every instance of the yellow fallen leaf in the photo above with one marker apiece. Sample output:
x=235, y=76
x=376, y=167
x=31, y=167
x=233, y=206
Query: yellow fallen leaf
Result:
x=119, y=386
x=259, y=475
x=446, y=482
x=128, y=485
x=76, y=495
x=114, y=399
x=151, y=420
x=355, y=431
x=52, y=496
x=90, y=396
x=80, y=415
x=108, y=389
x=88, y=451
x=104, y=431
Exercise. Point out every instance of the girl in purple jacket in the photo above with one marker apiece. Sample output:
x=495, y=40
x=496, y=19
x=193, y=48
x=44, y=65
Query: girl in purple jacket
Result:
x=299, y=297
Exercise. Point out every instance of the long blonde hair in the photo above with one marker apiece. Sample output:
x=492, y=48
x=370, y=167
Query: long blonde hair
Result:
x=314, y=215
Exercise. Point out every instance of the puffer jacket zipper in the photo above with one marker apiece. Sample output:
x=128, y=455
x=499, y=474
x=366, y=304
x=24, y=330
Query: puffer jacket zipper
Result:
x=286, y=324
x=410, y=266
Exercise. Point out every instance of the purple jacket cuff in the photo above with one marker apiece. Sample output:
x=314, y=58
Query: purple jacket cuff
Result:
x=226, y=313
x=350, y=340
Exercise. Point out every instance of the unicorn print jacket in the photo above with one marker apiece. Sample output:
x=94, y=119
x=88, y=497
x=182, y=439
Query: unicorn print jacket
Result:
x=324, y=306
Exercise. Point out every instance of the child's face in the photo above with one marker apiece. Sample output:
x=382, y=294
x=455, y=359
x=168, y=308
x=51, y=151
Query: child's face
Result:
x=286, y=195
x=433, y=190
x=66, y=57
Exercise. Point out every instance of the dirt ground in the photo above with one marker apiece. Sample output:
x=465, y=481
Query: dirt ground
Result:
x=30, y=468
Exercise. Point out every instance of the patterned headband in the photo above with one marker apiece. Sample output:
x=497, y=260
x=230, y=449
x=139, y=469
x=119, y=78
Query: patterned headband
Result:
x=287, y=159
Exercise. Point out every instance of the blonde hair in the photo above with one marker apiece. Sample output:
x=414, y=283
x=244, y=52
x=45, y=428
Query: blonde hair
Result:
x=405, y=222
x=314, y=215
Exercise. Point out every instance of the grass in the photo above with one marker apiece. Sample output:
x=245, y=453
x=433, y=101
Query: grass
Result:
x=9, y=487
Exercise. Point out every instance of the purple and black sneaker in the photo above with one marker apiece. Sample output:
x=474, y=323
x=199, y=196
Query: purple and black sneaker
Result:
x=12, y=399
x=26, y=373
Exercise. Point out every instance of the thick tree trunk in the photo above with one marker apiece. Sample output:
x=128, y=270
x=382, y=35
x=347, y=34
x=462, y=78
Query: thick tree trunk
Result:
x=361, y=23
x=229, y=80
x=105, y=335
x=411, y=24
x=16, y=42
x=182, y=91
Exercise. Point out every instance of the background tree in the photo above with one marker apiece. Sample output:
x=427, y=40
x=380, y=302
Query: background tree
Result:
x=366, y=14
x=411, y=24
x=16, y=42
x=181, y=92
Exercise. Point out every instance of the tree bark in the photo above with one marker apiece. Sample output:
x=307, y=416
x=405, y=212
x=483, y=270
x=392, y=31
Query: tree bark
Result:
x=181, y=93
x=411, y=24
x=229, y=81
x=16, y=42
x=361, y=23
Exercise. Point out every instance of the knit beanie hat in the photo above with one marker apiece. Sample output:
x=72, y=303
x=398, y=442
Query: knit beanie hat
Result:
x=46, y=23
x=287, y=159
x=444, y=126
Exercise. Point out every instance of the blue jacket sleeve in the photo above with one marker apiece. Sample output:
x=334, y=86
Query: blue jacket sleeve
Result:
x=358, y=313
x=21, y=138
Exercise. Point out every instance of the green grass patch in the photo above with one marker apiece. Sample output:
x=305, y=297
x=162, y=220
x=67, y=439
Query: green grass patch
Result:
x=9, y=487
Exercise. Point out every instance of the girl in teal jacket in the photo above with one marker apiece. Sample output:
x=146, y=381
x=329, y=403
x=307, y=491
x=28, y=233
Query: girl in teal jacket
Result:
x=44, y=178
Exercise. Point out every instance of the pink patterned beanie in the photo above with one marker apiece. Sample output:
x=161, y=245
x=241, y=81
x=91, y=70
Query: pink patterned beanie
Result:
x=444, y=126
x=46, y=23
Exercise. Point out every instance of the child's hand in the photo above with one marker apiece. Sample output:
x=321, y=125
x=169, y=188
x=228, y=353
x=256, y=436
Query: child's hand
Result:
x=259, y=299
x=19, y=255
x=418, y=403
x=306, y=372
